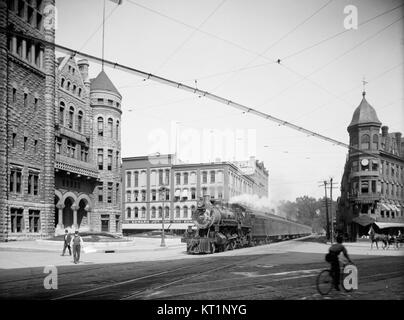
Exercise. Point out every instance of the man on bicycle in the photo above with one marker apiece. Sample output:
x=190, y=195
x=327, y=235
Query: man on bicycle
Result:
x=334, y=252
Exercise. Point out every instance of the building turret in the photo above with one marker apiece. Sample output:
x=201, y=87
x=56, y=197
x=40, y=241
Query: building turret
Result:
x=105, y=101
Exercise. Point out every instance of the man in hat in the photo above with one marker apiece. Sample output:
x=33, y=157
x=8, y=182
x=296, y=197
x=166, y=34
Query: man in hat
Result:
x=77, y=244
x=66, y=243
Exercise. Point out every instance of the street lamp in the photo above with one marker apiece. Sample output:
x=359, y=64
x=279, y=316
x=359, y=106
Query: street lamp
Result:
x=163, y=240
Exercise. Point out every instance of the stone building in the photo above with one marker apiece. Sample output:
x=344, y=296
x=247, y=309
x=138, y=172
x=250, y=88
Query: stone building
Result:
x=372, y=186
x=60, y=150
x=144, y=202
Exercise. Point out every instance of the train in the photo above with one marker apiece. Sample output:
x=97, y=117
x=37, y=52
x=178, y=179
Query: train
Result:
x=224, y=226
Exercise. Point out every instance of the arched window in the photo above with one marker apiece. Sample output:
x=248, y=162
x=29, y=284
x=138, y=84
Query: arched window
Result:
x=71, y=116
x=74, y=88
x=136, y=213
x=185, y=210
x=365, y=141
x=153, y=212
x=177, y=212
x=167, y=216
x=61, y=113
x=375, y=141
x=79, y=92
x=62, y=82
x=160, y=212
x=110, y=124
x=80, y=121
x=143, y=213
x=100, y=126
x=128, y=213
x=68, y=85
x=117, y=130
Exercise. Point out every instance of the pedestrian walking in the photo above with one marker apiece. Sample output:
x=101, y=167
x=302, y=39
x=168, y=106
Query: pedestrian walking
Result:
x=77, y=244
x=66, y=243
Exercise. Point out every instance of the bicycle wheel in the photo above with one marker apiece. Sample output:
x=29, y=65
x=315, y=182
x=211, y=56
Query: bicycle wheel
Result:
x=324, y=282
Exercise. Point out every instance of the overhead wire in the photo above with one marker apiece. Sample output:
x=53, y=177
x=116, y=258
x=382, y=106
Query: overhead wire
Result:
x=190, y=36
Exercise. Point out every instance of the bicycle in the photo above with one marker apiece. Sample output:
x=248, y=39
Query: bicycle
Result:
x=324, y=281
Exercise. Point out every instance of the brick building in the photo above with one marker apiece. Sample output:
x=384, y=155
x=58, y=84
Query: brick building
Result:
x=185, y=183
x=59, y=134
x=372, y=186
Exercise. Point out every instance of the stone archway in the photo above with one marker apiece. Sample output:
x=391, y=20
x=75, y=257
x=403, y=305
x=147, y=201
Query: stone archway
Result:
x=68, y=213
x=84, y=206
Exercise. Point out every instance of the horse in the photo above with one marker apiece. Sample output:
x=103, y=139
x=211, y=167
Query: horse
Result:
x=376, y=237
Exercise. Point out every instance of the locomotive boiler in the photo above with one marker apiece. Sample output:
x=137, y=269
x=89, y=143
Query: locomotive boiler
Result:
x=221, y=226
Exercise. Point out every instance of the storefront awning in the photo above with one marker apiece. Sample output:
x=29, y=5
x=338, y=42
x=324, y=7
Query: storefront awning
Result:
x=363, y=220
x=384, y=225
x=384, y=207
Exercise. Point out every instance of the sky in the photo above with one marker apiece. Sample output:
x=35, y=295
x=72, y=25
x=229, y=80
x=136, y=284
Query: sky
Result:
x=231, y=48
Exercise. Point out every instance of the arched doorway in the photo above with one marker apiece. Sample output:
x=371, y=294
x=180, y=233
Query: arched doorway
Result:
x=82, y=214
x=68, y=213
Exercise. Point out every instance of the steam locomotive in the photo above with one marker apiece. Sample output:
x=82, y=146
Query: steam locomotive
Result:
x=222, y=226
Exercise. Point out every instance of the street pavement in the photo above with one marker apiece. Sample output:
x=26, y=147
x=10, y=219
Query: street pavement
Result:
x=283, y=270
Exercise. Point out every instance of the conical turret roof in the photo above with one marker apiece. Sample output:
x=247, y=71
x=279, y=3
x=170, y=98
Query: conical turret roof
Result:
x=364, y=114
x=102, y=82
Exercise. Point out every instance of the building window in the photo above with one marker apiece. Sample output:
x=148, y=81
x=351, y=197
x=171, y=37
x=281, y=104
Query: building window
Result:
x=161, y=177
x=109, y=192
x=14, y=140
x=128, y=213
x=154, y=198
x=84, y=153
x=109, y=160
x=110, y=125
x=79, y=92
x=15, y=180
x=71, y=149
x=185, y=212
x=117, y=193
x=160, y=212
x=153, y=212
x=35, y=145
x=167, y=176
x=100, y=100
x=178, y=178
x=365, y=187
x=375, y=141
x=128, y=179
x=33, y=178
x=136, y=179
x=373, y=186
x=100, y=193
x=100, y=159
x=35, y=104
x=71, y=116
x=365, y=142
x=193, y=194
x=74, y=88
x=100, y=126
x=143, y=195
x=136, y=213
x=14, y=95
x=212, y=176
x=25, y=143
x=204, y=177
x=220, y=193
x=62, y=82
x=25, y=99
x=128, y=196
x=177, y=212
x=136, y=195
x=186, y=178
x=117, y=159
x=375, y=165
x=167, y=194
x=61, y=113
x=34, y=220
x=117, y=130
x=80, y=121
x=58, y=145
x=110, y=102
x=17, y=220
x=167, y=215
x=143, y=213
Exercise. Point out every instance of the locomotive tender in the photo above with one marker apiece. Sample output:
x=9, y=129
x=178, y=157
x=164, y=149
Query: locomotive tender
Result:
x=222, y=226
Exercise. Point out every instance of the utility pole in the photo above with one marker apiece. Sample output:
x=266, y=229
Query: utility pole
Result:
x=326, y=210
x=332, y=214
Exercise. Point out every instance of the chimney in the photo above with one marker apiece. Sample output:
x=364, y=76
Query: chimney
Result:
x=83, y=67
x=385, y=131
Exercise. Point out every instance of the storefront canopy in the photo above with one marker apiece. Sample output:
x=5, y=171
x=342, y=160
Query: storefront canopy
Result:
x=384, y=225
x=363, y=220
